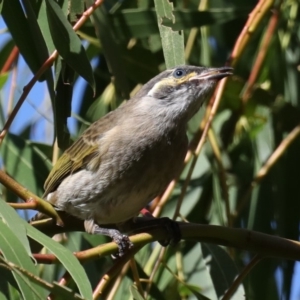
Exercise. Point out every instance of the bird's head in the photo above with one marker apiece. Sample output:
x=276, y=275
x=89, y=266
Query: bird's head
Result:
x=182, y=90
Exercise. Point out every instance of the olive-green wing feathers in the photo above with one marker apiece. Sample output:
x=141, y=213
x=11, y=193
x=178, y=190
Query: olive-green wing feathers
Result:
x=81, y=152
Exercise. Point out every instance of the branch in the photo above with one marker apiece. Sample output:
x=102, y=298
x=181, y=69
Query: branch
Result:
x=262, y=244
x=46, y=65
x=35, y=202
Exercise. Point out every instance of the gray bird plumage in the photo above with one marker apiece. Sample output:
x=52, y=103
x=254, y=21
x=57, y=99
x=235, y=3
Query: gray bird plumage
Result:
x=128, y=157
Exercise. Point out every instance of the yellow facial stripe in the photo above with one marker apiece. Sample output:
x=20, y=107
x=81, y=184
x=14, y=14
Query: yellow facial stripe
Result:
x=185, y=78
x=174, y=81
x=171, y=81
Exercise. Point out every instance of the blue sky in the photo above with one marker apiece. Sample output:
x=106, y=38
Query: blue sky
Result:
x=37, y=105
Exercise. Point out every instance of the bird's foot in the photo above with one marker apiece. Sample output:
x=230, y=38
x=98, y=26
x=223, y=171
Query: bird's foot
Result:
x=173, y=232
x=148, y=221
x=122, y=240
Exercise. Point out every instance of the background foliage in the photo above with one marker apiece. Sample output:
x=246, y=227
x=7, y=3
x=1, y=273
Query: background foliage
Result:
x=246, y=175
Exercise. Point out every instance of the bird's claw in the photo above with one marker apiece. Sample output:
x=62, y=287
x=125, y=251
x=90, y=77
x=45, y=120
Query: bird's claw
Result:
x=171, y=227
x=123, y=242
x=173, y=232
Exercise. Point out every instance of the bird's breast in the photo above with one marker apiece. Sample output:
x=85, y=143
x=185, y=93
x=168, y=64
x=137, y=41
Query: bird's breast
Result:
x=134, y=169
x=140, y=173
x=145, y=154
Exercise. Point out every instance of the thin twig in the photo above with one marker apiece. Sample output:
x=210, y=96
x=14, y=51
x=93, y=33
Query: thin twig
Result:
x=40, y=204
x=10, y=60
x=255, y=17
x=114, y=270
x=222, y=174
x=46, y=65
x=239, y=279
x=257, y=242
x=24, y=206
x=194, y=31
x=118, y=281
x=261, y=54
x=272, y=160
x=12, y=88
x=208, y=121
x=154, y=271
x=62, y=282
x=136, y=276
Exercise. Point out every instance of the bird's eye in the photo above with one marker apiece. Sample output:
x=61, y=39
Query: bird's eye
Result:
x=178, y=73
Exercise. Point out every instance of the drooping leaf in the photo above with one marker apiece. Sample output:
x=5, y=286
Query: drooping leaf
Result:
x=26, y=32
x=13, y=251
x=25, y=162
x=65, y=256
x=139, y=23
x=11, y=219
x=67, y=42
x=172, y=41
x=110, y=50
x=222, y=269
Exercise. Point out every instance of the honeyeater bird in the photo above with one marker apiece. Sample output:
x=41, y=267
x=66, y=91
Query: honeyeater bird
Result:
x=129, y=156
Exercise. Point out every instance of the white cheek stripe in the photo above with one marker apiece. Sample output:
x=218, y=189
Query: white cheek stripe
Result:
x=156, y=87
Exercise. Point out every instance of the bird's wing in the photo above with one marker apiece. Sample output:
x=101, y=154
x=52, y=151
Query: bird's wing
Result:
x=84, y=150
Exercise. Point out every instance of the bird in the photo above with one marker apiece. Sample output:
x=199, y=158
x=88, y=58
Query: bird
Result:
x=128, y=157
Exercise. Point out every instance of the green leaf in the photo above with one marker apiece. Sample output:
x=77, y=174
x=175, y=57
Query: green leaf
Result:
x=138, y=23
x=222, y=269
x=135, y=293
x=14, y=251
x=67, y=42
x=111, y=50
x=25, y=32
x=6, y=50
x=11, y=219
x=196, y=273
x=76, y=9
x=66, y=257
x=44, y=27
x=188, y=289
x=63, y=100
x=3, y=79
x=172, y=41
x=100, y=106
x=2, y=296
x=55, y=288
x=25, y=162
x=65, y=292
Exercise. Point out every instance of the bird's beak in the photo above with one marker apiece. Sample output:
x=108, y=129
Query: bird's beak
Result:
x=213, y=73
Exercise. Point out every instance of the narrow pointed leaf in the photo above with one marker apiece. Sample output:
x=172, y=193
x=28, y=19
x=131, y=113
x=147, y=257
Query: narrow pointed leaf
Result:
x=68, y=43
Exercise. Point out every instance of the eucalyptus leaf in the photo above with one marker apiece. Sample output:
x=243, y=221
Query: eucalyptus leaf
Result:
x=25, y=32
x=65, y=256
x=13, y=251
x=11, y=219
x=172, y=41
x=67, y=42
x=222, y=269
x=25, y=162
x=139, y=23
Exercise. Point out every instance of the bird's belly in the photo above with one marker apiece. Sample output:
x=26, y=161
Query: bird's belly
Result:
x=117, y=193
x=120, y=207
x=87, y=200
